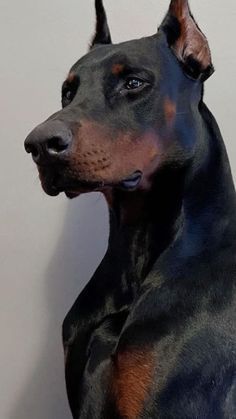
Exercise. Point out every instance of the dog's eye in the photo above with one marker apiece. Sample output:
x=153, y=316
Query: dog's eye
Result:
x=69, y=90
x=133, y=83
x=67, y=97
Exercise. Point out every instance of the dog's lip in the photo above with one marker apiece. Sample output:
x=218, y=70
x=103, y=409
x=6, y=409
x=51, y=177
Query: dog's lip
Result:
x=82, y=187
x=73, y=189
x=50, y=189
x=130, y=183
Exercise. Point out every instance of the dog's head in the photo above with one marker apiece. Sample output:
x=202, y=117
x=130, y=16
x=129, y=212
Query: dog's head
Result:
x=127, y=109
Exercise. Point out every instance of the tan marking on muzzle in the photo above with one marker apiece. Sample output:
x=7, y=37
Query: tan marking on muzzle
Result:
x=98, y=154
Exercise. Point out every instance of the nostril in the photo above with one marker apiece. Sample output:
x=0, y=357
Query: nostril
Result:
x=57, y=145
x=32, y=149
x=49, y=140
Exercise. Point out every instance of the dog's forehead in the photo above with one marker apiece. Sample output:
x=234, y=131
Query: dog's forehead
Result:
x=135, y=52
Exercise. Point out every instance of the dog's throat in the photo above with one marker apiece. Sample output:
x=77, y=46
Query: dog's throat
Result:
x=142, y=224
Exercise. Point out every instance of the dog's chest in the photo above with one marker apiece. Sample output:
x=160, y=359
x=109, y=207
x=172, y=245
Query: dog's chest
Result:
x=102, y=343
x=91, y=382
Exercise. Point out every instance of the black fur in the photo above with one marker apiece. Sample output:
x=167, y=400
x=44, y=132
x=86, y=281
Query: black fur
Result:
x=102, y=35
x=166, y=287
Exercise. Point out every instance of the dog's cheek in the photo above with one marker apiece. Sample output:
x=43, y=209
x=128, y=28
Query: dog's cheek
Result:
x=98, y=155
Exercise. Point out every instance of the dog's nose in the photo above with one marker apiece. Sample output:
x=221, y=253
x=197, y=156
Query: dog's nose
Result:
x=51, y=139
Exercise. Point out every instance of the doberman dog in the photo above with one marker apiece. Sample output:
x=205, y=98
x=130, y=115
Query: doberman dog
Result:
x=153, y=334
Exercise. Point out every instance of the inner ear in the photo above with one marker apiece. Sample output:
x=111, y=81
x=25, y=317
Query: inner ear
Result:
x=102, y=34
x=187, y=41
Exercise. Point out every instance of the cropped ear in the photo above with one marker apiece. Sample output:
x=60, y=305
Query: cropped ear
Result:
x=187, y=41
x=102, y=34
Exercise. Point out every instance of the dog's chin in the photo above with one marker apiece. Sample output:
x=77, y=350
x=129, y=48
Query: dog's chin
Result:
x=72, y=195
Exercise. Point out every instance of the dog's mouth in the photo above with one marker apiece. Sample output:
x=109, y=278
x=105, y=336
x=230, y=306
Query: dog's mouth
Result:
x=54, y=184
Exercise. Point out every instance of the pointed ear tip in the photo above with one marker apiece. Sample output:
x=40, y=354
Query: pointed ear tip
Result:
x=99, y=5
x=102, y=34
x=179, y=3
x=179, y=6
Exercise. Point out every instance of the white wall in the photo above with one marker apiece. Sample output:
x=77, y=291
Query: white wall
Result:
x=50, y=247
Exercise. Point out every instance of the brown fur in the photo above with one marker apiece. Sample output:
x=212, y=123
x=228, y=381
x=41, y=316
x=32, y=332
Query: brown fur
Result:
x=191, y=41
x=169, y=110
x=96, y=157
x=131, y=381
x=117, y=69
x=71, y=77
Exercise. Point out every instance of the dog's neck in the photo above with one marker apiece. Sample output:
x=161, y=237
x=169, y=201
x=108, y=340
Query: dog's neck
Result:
x=195, y=207
x=209, y=201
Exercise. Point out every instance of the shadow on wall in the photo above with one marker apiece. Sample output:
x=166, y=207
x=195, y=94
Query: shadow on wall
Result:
x=81, y=247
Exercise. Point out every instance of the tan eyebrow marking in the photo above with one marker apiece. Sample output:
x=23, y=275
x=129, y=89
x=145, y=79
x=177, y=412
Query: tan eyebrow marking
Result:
x=117, y=69
x=71, y=77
